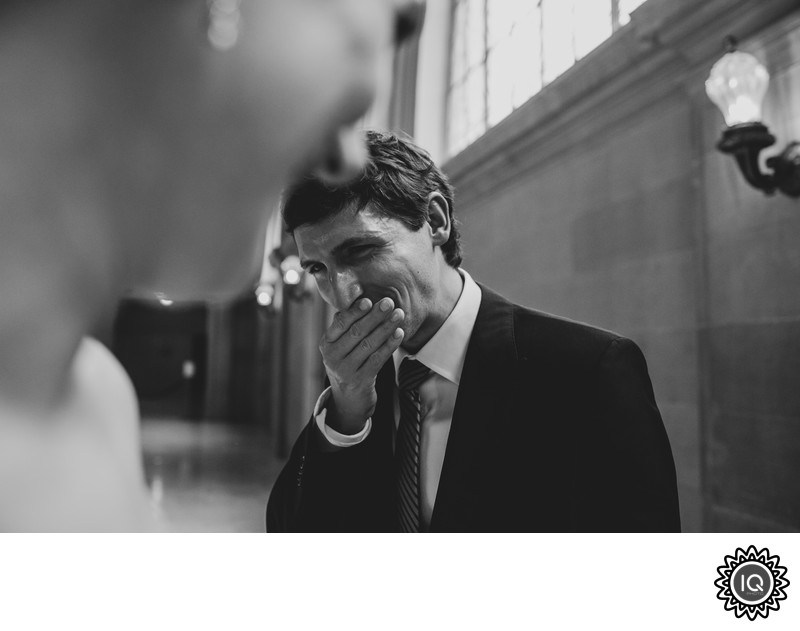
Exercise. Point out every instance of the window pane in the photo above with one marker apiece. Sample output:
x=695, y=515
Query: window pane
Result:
x=502, y=15
x=592, y=25
x=527, y=45
x=457, y=119
x=504, y=51
x=476, y=49
x=466, y=100
x=502, y=70
x=558, y=37
x=515, y=67
x=458, y=66
x=626, y=7
x=474, y=103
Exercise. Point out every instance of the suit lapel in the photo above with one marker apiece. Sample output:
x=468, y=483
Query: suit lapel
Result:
x=482, y=410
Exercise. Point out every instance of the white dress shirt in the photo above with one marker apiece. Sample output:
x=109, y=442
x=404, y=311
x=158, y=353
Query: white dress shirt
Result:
x=444, y=354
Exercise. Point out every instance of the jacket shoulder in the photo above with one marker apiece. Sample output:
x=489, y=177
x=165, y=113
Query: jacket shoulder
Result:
x=541, y=332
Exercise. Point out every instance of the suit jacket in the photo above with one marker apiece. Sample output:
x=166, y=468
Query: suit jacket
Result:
x=555, y=428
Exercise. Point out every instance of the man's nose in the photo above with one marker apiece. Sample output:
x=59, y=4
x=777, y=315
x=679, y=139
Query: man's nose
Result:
x=346, y=289
x=409, y=16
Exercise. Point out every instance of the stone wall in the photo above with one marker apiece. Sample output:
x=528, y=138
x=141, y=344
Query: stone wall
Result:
x=604, y=199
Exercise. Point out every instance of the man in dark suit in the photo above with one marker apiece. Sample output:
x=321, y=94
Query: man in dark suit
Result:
x=450, y=408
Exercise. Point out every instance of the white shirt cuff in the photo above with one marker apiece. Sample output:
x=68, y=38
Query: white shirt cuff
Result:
x=331, y=435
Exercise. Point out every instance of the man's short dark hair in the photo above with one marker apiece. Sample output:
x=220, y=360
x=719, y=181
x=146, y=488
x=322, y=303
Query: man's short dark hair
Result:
x=397, y=180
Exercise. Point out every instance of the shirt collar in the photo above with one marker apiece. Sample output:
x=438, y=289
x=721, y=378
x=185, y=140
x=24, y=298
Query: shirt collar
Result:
x=444, y=353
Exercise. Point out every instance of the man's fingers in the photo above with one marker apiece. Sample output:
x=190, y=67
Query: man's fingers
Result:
x=359, y=328
x=343, y=320
x=378, y=358
x=375, y=342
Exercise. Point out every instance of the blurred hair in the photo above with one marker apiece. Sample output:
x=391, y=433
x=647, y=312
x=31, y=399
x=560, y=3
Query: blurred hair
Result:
x=397, y=180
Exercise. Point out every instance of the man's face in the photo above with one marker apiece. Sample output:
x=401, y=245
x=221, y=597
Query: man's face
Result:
x=356, y=254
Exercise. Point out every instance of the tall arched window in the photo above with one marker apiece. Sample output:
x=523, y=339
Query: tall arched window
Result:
x=504, y=51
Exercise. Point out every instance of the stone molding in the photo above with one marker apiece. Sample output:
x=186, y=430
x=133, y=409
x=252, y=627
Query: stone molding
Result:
x=647, y=60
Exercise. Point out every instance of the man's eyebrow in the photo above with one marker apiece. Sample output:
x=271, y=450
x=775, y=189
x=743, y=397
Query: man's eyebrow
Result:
x=351, y=242
x=343, y=247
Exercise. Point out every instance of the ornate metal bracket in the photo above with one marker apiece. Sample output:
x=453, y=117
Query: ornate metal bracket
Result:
x=745, y=141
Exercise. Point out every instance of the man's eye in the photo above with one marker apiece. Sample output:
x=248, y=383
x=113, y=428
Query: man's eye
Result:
x=314, y=268
x=362, y=250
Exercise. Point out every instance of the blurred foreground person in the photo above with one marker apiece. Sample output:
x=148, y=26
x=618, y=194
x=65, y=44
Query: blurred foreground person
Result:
x=142, y=143
x=449, y=407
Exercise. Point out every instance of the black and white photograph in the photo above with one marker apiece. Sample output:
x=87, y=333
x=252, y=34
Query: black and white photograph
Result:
x=283, y=280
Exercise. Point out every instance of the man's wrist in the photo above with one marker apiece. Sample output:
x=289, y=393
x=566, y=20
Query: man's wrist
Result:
x=330, y=437
x=343, y=422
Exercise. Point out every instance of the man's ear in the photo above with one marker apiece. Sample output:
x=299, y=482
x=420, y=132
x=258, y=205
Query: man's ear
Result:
x=438, y=218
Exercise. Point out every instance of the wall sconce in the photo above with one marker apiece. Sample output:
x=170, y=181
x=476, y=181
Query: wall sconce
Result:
x=295, y=280
x=265, y=294
x=292, y=272
x=737, y=85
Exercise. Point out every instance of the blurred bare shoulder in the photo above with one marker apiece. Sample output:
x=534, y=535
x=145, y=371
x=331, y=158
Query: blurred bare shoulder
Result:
x=77, y=467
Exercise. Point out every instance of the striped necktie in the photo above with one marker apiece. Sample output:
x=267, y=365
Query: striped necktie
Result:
x=412, y=374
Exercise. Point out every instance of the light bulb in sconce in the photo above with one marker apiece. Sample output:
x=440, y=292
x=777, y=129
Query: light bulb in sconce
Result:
x=265, y=295
x=292, y=271
x=737, y=85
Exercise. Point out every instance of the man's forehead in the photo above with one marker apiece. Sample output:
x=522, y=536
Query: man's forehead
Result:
x=334, y=231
